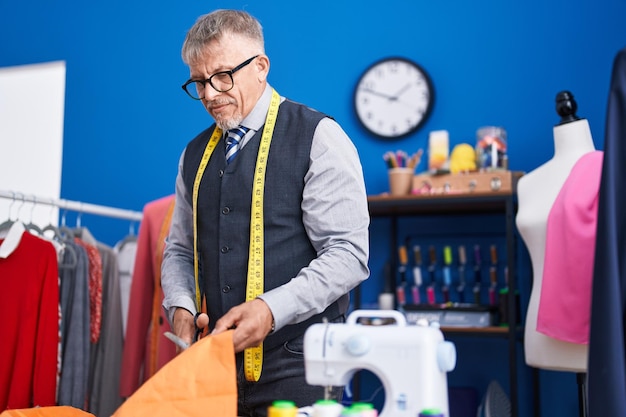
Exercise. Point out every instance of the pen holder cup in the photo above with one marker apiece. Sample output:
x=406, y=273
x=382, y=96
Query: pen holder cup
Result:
x=400, y=181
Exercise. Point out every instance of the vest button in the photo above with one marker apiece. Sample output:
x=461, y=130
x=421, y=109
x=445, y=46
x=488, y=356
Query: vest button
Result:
x=224, y=249
x=226, y=289
x=226, y=210
x=221, y=173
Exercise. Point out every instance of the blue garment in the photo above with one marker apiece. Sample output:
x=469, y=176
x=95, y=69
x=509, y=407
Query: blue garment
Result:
x=607, y=362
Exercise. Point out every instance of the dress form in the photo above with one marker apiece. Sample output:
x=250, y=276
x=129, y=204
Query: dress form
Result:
x=537, y=192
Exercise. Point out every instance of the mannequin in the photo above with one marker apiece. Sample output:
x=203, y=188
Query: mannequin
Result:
x=537, y=192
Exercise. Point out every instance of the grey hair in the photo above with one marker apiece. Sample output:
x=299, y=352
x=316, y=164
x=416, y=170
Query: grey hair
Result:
x=213, y=26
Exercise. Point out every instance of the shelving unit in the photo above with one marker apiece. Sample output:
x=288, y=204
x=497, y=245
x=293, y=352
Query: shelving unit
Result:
x=467, y=204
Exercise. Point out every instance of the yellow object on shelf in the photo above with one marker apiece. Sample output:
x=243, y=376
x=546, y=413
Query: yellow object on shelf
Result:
x=462, y=158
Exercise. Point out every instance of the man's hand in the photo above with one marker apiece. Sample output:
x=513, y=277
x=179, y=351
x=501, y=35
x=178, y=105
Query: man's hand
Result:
x=251, y=320
x=183, y=326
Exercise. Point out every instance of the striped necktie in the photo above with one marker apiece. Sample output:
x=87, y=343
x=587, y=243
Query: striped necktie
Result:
x=233, y=141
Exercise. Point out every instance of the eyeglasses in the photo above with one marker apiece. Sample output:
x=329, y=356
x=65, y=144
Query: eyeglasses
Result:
x=220, y=81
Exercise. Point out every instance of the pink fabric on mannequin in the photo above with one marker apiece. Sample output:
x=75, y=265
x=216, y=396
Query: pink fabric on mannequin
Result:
x=565, y=304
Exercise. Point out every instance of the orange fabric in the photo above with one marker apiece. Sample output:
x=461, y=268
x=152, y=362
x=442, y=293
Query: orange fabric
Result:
x=198, y=382
x=53, y=411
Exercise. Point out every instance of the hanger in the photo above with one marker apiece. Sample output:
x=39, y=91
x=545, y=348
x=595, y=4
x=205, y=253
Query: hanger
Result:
x=77, y=231
x=51, y=227
x=131, y=237
x=30, y=226
x=61, y=233
x=74, y=257
x=6, y=225
x=65, y=233
x=61, y=237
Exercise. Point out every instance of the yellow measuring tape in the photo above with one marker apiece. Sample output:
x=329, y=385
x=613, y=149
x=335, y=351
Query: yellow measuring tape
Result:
x=253, y=357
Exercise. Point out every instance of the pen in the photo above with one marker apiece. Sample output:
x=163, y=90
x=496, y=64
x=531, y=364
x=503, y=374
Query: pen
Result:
x=391, y=160
x=415, y=159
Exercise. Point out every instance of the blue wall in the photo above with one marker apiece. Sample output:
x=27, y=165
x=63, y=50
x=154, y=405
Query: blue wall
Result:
x=492, y=62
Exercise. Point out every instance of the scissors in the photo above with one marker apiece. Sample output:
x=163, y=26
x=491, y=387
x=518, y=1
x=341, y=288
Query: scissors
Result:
x=200, y=321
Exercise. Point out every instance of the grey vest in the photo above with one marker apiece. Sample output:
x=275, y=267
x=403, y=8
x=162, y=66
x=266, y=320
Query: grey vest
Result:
x=224, y=200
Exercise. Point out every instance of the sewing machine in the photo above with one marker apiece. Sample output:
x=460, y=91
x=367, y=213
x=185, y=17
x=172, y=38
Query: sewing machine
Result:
x=410, y=360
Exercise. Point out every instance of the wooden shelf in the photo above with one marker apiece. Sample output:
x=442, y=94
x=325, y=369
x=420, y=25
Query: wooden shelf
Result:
x=387, y=205
x=497, y=331
x=462, y=204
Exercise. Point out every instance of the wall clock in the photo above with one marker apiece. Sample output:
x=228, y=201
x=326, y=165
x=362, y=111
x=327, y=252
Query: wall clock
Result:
x=393, y=98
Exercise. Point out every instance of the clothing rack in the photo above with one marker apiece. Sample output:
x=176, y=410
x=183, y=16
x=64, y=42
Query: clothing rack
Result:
x=77, y=206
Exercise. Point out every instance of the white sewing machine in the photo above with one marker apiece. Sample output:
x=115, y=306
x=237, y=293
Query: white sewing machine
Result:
x=411, y=361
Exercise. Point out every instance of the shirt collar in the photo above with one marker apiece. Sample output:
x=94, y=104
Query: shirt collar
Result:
x=256, y=119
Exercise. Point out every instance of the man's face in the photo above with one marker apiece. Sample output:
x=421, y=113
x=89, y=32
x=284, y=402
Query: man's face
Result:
x=229, y=108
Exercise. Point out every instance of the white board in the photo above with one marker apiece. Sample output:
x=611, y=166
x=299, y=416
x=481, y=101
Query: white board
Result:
x=32, y=104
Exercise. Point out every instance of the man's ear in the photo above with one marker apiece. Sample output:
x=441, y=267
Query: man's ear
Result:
x=262, y=64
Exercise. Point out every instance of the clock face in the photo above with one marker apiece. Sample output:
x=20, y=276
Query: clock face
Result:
x=393, y=98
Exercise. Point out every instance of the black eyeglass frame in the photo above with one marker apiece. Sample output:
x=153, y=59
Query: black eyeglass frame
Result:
x=208, y=80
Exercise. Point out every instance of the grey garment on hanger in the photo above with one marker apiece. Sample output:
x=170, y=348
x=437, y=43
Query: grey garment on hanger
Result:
x=126, y=253
x=74, y=294
x=106, y=353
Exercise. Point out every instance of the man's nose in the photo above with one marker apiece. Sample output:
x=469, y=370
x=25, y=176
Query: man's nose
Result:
x=210, y=93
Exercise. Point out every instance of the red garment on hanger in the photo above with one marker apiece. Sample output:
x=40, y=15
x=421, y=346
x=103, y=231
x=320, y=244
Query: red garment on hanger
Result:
x=29, y=306
x=145, y=347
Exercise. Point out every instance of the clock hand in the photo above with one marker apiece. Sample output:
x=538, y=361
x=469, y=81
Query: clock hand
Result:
x=376, y=93
x=399, y=93
x=388, y=97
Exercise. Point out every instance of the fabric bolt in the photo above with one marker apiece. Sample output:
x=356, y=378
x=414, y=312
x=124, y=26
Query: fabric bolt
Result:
x=565, y=303
x=607, y=346
x=30, y=338
x=233, y=142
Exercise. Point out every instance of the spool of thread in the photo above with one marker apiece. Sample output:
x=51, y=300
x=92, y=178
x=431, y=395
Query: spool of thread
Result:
x=282, y=408
x=327, y=408
x=350, y=412
x=364, y=409
x=385, y=301
x=431, y=412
